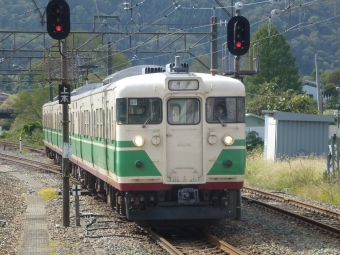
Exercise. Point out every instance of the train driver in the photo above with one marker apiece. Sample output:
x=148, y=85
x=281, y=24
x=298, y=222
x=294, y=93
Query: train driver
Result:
x=220, y=110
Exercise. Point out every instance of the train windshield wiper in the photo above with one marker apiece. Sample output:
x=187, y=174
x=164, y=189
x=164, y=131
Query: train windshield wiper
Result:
x=220, y=119
x=148, y=119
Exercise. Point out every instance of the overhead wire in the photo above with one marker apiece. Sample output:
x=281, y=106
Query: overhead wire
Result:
x=207, y=25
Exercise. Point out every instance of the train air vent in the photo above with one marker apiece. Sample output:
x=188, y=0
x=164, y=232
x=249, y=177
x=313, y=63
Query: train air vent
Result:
x=147, y=70
x=177, y=67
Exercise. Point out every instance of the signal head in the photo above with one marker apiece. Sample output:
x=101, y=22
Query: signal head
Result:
x=238, y=35
x=58, y=19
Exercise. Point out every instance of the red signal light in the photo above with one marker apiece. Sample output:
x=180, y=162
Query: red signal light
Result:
x=238, y=44
x=58, y=28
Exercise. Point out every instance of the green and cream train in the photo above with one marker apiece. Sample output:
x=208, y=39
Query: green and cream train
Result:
x=162, y=143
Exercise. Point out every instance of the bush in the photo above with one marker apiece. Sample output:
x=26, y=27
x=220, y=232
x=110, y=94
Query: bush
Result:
x=253, y=140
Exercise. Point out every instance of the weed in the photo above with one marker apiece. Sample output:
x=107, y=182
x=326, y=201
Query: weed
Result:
x=304, y=177
x=48, y=194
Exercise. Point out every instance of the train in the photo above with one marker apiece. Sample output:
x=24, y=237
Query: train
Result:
x=164, y=145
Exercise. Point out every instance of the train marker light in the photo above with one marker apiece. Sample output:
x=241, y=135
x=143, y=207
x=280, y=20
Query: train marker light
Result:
x=238, y=35
x=139, y=164
x=58, y=19
x=228, y=163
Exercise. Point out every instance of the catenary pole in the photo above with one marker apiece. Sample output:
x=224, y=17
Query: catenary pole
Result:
x=109, y=59
x=213, y=45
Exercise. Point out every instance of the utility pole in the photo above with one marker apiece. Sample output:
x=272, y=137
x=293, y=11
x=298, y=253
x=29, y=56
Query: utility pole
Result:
x=318, y=85
x=65, y=126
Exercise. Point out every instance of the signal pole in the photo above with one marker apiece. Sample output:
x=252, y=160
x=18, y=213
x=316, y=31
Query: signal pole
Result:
x=65, y=124
x=58, y=27
x=237, y=63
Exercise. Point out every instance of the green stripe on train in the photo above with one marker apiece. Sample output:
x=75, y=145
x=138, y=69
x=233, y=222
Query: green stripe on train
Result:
x=125, y=161
x=100, y=155
x=238, y=159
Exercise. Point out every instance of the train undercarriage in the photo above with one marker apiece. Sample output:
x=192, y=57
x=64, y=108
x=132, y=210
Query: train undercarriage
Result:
x=182, y=204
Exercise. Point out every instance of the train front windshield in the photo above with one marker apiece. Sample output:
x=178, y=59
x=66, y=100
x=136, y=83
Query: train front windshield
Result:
x=139, y=110
x=225, y=109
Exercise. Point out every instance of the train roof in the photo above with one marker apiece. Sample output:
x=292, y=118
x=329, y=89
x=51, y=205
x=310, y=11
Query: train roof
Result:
x=132, y=71
x=174, y=70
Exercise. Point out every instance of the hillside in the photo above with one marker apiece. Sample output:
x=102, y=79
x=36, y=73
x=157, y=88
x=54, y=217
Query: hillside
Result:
x=311, y=28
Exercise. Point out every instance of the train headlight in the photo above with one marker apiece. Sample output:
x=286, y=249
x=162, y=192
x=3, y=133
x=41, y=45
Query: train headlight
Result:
x=228, y=140
x=138, y=141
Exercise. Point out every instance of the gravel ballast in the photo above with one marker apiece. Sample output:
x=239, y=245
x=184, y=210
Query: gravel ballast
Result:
x=259, y=232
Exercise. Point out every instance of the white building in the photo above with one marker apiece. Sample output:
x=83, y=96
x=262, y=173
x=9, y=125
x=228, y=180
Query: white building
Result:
x=309, y=88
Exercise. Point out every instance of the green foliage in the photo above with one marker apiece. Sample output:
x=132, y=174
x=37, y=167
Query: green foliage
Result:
x=334, y=77
x=277, y=62
x=253, y=140
x=27, y=106
x=28, y=128
x=329, y=90
x=32, y=133
x=271, y=97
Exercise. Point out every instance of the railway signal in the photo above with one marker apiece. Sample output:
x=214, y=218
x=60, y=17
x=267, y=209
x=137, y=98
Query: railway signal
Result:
x=58, y=19
x=238, y=35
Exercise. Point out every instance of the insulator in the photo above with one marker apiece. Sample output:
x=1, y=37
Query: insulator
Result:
x=275, y=12
x=238, y=6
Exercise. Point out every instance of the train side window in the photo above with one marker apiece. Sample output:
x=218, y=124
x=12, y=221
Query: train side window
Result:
x=241, y=109
x=121, y=111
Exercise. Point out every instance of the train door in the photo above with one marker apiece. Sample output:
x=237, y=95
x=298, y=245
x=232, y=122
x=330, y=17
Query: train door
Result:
x=184, y=140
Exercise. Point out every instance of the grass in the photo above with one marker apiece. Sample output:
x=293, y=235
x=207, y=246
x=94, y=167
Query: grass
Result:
x=303, y=177
x=48, y=194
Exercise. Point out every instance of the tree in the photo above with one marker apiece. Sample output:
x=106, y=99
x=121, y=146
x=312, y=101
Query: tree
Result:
x=28, y=106
x=277, y=63
x=334, y=77
x=271, y=97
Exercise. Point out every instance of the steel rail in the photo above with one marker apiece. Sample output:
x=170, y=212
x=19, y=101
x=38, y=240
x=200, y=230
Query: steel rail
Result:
x=294, y=215
x=164, y=243
x=31, y=163
x=293, y=201
x=223, y=245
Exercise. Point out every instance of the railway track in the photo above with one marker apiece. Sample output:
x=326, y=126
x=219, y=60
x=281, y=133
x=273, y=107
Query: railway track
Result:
x=36, y=164
x=191, y=242
x=320, y=218
x=16, y=146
